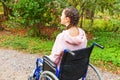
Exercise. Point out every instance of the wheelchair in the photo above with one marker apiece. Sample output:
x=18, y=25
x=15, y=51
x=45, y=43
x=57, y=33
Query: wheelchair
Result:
x=74, y=66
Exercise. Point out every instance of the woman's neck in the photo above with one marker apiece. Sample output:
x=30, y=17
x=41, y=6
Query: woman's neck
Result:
x=73, y=31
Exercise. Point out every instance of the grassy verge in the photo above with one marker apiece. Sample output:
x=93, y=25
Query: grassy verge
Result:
x=27, y=44
x=108, y=58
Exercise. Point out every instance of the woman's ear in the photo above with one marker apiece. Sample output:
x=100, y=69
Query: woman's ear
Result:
x=67, y=19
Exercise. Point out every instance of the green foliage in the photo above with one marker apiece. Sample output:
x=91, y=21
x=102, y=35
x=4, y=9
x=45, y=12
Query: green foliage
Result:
x=29, y=44
x=102, y=25
x=32, y=12
x=47, y=12
x=55, y=34
x=114, y=24
x=110, y=54
x=1, y=8
x=88, y=8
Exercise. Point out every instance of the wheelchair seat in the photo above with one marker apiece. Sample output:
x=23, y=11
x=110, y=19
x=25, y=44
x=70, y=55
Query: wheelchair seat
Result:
x=73, y=67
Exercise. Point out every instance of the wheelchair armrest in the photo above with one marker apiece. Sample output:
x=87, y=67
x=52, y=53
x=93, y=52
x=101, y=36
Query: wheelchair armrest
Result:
x=48, y=65
x=45, y=58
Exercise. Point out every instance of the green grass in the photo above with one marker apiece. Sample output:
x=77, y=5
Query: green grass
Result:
x=111, y=42
x=28, y=44
x=108, y=58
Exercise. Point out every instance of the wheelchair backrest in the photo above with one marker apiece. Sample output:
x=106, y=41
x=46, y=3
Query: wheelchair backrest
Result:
x=74, y=67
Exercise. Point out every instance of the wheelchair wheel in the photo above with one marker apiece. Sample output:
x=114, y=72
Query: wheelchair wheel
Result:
x=31, y=78
x=92, y=73
x=47, y=75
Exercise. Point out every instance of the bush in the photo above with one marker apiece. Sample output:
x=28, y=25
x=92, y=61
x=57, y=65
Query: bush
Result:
x=110, y=54
x=32, y=12
x=102, y=25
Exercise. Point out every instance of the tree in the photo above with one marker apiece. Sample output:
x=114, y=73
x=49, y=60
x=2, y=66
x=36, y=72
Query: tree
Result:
x=7, y=10
x=46, y=12
x=88, y=8
x=33, y=12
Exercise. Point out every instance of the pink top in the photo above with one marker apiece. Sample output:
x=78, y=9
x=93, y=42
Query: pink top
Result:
x=65, y=41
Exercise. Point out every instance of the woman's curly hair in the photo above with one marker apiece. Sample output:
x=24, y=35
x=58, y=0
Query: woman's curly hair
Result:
x=73, y=14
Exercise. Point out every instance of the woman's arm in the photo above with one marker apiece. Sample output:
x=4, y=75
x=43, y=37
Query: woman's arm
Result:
x=57, y=49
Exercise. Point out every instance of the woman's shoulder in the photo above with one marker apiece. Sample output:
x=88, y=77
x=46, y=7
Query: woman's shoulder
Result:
x=81, y=30
x=62, y=34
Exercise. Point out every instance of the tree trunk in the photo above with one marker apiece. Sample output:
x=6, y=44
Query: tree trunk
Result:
x=7, y=11
x=92, y=17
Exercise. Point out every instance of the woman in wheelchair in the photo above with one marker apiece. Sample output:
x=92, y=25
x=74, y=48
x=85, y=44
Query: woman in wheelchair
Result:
x=71, y=38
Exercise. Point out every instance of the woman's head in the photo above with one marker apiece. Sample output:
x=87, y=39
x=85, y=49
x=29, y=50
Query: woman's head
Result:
x=70, y=17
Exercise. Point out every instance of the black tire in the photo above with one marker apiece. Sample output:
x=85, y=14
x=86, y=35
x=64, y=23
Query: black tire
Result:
x=47, y=75
x=31, y=78
x=93, y=73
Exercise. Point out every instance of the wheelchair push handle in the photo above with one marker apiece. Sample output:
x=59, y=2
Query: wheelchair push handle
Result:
x=98, y=45
x=94, y=44
x=69, y=51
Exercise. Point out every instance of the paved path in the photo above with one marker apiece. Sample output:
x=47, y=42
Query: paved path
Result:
x=15, y=65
